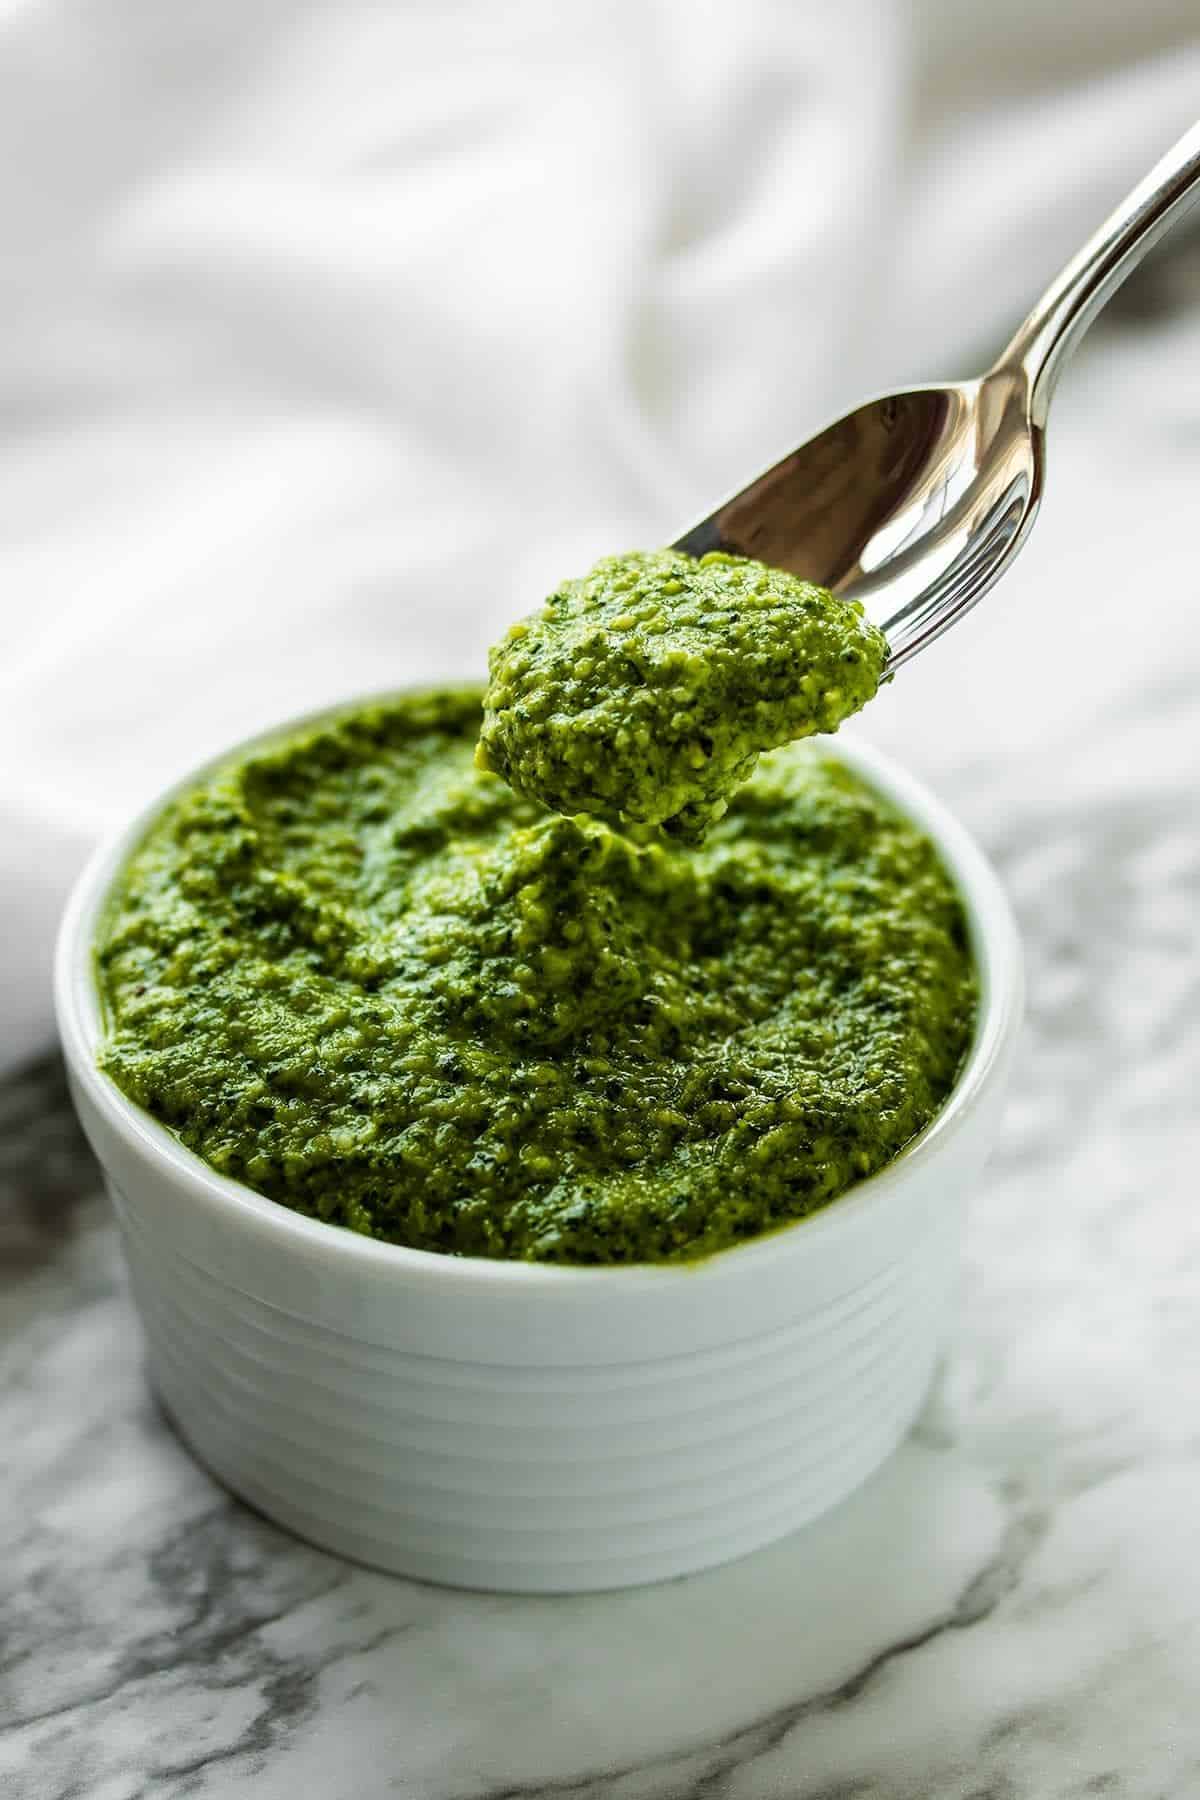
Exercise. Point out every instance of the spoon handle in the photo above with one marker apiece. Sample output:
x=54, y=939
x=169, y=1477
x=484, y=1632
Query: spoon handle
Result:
x=1043, y=343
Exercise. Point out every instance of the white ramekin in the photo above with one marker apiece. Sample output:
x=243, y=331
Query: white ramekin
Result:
x=525, y=1427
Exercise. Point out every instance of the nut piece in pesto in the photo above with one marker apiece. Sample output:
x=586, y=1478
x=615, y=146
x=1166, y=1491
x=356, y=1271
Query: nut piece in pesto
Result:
x=644, y=692
x=381, y=988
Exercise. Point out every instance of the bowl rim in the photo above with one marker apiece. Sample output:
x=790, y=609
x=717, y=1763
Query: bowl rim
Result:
x=995, y=946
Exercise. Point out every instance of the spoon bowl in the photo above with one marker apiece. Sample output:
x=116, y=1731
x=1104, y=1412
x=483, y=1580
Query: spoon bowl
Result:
x=916, y=503
x=912, y=503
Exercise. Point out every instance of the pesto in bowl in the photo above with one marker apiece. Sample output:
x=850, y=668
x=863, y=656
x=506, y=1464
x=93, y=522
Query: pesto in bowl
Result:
x=368, y=980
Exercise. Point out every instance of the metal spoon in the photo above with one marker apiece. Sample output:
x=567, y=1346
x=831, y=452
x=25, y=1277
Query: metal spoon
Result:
x=917, y=502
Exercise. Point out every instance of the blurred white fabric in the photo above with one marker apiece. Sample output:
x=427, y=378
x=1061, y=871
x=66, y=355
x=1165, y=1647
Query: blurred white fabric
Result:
x=334, y=333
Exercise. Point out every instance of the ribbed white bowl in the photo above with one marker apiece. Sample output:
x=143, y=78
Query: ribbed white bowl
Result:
x=515, y=1426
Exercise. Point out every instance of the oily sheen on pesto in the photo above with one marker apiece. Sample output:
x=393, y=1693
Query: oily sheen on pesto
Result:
x=356, y=973
x=645, y=692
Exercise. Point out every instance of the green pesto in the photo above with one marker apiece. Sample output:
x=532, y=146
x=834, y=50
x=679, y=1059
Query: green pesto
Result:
x=355, y=972
x=644, y=693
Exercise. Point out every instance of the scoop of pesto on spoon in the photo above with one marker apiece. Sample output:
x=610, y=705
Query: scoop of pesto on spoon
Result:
x=645, y=692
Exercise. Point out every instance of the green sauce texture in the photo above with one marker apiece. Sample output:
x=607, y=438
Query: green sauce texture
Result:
x=356, y=973
x=645, y=692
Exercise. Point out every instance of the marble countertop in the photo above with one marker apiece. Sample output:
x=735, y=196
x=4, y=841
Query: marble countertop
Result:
x=1010, y=1609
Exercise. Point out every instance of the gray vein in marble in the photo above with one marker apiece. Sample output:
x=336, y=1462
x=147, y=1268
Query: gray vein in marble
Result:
x=722, y=1758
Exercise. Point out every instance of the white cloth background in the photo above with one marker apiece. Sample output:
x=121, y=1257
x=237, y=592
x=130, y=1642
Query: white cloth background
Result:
x=331, y=334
